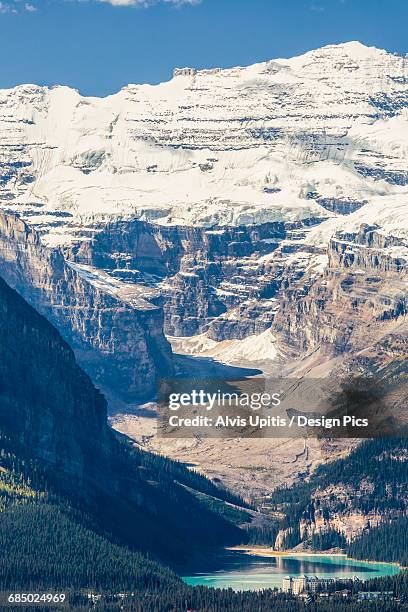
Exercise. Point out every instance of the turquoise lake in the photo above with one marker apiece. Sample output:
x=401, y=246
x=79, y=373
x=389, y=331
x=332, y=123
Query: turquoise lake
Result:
x=239, y=571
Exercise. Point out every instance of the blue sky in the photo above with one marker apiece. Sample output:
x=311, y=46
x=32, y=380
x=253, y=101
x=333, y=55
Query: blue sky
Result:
x=98, y=46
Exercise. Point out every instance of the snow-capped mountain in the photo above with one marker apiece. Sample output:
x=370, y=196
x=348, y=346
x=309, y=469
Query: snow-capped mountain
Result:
x=282, y=140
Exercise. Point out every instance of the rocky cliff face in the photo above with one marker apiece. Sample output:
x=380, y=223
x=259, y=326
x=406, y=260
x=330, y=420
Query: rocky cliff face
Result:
x=220, y=280
x=116, y=334
x=323, y=516
x=348, y=306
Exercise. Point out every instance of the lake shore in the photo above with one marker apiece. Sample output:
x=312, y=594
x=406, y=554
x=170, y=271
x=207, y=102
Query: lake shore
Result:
x=267, y=551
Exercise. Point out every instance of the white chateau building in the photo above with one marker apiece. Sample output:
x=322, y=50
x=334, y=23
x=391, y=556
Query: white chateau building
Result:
x=303, y=583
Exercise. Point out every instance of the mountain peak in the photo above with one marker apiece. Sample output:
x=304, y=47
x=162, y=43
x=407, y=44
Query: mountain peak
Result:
x=356, y=49
x=353, y=49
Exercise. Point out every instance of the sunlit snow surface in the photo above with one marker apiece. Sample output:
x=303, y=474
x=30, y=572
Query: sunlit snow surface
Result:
x=215, y=147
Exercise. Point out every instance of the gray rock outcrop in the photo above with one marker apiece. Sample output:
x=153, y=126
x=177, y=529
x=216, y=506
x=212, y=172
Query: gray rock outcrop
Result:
x=117, y=335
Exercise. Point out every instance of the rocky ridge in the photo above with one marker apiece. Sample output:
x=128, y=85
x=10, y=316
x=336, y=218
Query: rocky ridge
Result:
x=114, y=331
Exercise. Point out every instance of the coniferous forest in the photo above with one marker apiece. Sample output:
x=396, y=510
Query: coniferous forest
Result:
x=47, y=543
x=388, y=542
